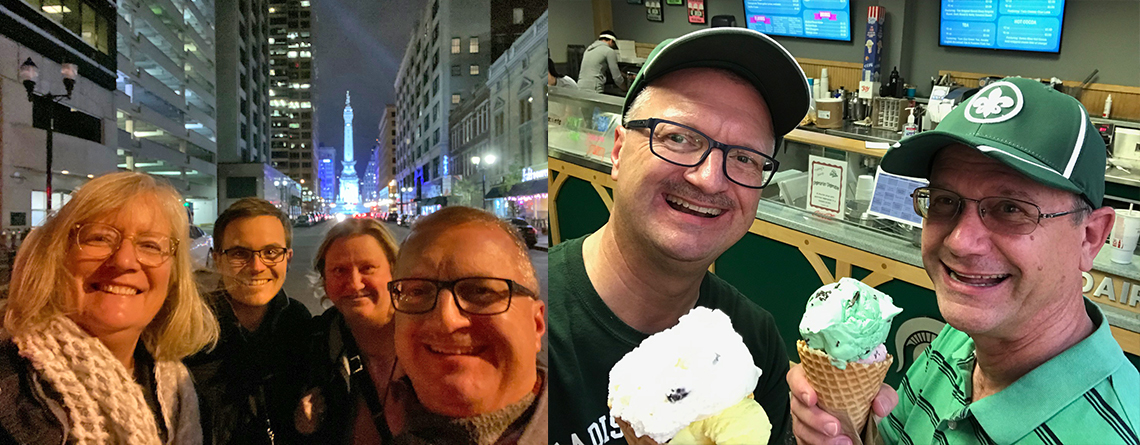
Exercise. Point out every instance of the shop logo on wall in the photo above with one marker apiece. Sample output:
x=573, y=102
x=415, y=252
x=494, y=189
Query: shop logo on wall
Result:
x=997, y=102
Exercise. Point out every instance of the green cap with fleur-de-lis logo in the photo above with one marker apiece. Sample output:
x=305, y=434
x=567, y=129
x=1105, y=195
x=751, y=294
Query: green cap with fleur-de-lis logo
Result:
x=1042, y=133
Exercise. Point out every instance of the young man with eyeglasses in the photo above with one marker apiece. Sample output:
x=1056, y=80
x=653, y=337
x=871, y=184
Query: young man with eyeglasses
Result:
x=701, y=125
x=247, y=385
x=1012, y=217
x=469, y=325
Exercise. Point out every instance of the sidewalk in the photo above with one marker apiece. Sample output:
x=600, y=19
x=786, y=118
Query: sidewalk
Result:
x=543, y=242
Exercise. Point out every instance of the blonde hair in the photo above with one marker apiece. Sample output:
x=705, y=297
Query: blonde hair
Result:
x=39, y=288
x=355, y=227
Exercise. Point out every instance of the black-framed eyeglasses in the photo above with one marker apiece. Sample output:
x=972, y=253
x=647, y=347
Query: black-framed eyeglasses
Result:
x=685, y=146
x=473, y=295
x=999, y=214
x=240, y=256
x=100, y=241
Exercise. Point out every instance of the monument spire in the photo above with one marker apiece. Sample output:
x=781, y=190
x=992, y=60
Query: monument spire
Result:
x=349, y=183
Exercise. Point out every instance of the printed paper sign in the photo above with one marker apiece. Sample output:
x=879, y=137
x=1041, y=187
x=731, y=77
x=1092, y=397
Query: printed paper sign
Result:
x=826, y=193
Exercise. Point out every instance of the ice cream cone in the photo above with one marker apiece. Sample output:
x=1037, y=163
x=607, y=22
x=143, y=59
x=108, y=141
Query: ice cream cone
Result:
x=848, y=391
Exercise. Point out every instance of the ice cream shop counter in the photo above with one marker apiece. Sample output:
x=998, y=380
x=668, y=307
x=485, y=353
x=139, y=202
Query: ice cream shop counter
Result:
x=828, y=214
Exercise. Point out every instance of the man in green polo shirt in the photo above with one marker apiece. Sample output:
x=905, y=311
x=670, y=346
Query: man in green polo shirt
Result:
x=1012, y=217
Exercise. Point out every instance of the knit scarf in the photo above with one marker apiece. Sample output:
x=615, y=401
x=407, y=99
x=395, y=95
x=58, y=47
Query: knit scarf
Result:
x=104, y=404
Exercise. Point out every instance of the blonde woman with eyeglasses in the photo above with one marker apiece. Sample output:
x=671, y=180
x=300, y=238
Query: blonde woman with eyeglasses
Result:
x=101, y=308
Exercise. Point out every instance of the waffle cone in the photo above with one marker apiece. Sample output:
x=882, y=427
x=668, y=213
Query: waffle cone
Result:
x=843, y=392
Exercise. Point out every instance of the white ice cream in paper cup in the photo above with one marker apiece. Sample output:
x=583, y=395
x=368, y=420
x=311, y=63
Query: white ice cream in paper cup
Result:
x=683, y=374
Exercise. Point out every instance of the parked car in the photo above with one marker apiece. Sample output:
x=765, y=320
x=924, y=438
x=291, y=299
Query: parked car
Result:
x=302, y=221
x=201, y=247
x=526, y=231
x=392, y=217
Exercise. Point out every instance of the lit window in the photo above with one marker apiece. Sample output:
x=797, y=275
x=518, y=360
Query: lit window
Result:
x=304, y=3
x=474, y=45
x=474, y=70
x=456, y=43
x=454, y=98
x=518, y=16
x=292, y=54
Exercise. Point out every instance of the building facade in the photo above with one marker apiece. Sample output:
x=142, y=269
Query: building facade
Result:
x=85, y=138
x=326, y=174
x=386, y=141
x=469, y=138
x=166, y=98
x=517, y=82
x=509, y=21
x=292, y=100
x=446, y=60
x=370, y=181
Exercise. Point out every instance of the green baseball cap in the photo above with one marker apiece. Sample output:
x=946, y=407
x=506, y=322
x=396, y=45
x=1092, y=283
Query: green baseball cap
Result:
x=750, y=54
x=1036, y=130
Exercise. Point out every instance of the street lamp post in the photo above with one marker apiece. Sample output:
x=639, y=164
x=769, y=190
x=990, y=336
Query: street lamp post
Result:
x=486, y=161
x=29, y=75
x=281, y=186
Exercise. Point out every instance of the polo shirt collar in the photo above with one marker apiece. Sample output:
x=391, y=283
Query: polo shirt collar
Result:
x=1015, y=411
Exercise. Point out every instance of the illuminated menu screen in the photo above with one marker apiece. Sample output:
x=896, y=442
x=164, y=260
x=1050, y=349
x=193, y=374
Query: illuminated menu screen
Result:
x=1021, y=25
x=813, y=19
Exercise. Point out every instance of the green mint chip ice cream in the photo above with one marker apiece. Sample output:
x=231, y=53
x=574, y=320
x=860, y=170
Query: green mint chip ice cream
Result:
x=848, y=320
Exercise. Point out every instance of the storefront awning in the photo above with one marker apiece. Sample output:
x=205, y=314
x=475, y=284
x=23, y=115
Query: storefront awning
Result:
x=440, y=200
x=520, y=189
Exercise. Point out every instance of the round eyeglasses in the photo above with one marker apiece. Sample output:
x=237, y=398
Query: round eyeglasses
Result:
x=473, y=295
x=240, y=256
x=100, y=241
x=999, y=214
x=682, y=145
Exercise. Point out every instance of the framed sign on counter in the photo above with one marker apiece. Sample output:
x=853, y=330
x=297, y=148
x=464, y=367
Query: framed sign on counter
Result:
x=826, y=191
x=697, y=11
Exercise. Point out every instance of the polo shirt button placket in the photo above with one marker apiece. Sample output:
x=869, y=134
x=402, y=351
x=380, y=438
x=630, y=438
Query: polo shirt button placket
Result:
x=953, y=424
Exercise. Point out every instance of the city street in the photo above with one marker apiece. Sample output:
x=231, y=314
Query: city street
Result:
x=302, y=279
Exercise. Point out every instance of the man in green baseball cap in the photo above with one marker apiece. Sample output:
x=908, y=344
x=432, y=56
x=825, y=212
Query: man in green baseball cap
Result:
x=701, y=124
x=1012, y=218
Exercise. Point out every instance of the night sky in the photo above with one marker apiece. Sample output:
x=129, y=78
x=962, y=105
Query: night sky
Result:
x=358, y=45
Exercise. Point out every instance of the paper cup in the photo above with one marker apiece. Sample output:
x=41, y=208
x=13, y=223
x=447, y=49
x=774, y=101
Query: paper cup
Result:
x=1125, y=231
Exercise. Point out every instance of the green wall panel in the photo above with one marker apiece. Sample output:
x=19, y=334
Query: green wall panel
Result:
x=580, y=210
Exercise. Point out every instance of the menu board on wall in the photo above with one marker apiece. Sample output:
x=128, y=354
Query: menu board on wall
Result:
x=1020, y=25
x=813, y=19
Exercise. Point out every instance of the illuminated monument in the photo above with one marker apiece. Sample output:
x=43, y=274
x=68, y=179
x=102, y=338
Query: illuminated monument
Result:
x=349, y=183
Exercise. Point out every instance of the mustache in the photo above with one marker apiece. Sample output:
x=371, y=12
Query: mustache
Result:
x=683, y=189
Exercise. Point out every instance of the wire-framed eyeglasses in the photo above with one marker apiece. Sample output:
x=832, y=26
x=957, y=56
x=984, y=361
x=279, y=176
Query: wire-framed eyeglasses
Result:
x=240, y=256
x=100, y=241
x=999, y=214
x=685, y=146
x=473, y=295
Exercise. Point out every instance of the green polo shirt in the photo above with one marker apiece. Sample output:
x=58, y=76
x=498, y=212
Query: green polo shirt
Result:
x=1089, y=394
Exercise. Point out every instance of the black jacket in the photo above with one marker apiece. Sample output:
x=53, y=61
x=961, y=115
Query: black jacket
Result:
x=249, y=384
x=28, y=415
x=335, y=368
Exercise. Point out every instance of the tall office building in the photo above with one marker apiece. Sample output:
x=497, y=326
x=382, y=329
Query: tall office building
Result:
x=166, y=96
x=84, y=141
x=446, y=60
x=326, y=173
x=509, y=20
x=386, y=140
x=244, y=168
x=243, y=82
x=370, y=182
x=291, y=97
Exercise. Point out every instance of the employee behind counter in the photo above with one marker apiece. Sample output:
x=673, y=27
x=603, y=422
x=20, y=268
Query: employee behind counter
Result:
x=600, y=59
